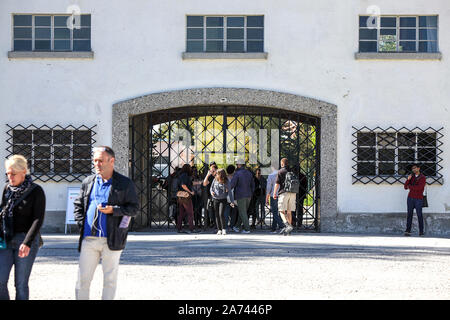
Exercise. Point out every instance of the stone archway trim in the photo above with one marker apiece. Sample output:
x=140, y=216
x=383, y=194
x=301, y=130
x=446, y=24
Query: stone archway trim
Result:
x=244, y=97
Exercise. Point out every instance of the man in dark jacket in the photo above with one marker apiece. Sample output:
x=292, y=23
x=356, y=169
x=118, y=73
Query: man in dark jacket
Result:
x=243, y=184
x=103, y=210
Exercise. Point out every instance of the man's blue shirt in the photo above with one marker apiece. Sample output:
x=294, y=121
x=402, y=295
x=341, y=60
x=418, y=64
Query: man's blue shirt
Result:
x=99, y=195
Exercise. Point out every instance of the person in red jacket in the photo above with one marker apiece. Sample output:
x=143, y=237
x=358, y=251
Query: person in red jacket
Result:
x=416, y=184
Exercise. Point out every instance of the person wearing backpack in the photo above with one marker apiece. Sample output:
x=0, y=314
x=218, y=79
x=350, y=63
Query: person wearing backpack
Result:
x=286, y=189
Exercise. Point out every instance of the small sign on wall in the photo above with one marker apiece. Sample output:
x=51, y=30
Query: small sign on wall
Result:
x=72, y=194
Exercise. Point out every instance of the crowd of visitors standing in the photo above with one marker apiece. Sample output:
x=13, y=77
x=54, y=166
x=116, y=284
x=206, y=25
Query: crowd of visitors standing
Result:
x=235, y=198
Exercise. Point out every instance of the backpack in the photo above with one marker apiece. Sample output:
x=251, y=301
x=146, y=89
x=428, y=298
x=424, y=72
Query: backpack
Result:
x=292, y=183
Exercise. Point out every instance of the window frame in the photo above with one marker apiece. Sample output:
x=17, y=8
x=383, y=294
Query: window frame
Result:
x=398, y=29
x=52, y=32
x=225, y=33
x=35, y=156
x=378, y=177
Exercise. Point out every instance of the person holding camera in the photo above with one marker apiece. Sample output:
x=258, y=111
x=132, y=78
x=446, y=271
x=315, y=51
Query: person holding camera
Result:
x=103, y=210
x=416, y=185
x=22, y=215
x=209, y=210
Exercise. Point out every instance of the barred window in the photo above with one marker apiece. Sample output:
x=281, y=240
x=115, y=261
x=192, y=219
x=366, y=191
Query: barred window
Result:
x=225, y=34
x=54, y=153
x=387, y=155
x=398, y=34
x=51, y=32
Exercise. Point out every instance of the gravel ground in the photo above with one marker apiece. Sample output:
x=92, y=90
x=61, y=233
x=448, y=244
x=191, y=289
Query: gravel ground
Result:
x=166, y=265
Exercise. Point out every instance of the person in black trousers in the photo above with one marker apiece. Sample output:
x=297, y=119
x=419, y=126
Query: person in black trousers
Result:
x=22, y=215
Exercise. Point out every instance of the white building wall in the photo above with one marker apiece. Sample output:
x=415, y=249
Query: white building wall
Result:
x=310, y=44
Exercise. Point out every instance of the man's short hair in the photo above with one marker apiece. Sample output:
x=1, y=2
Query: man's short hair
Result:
x=106, y=149
x=415, y=165
x=213, y=164
x=284, y=161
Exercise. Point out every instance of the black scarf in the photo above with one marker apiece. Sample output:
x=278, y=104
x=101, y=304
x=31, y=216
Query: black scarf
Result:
x=14, y=193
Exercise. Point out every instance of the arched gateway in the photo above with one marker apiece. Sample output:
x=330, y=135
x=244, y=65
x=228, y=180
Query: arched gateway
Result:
x=154, y=134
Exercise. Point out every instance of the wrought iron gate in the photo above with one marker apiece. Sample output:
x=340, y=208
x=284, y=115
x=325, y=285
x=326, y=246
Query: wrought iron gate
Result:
x=162, y=141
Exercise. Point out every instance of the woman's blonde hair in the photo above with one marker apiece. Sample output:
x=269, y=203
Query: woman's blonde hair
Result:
x=17, y=162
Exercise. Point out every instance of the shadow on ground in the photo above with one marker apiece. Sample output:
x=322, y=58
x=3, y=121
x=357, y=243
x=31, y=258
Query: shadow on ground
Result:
x=209, y=251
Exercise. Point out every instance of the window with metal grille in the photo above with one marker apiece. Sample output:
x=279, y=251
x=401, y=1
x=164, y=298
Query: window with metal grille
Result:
x=54, y=153
x=398, y=33
x=225, y=34
x=386, y=155
x=51, y=32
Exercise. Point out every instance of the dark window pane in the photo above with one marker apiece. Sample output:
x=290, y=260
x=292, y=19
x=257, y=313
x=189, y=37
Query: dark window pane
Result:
x=61, y=21
x=62, y=152
x=214, y=33
x=407, y=34
x=24, y=150
x=41, y=152
x=406, y=155
x=388, y=32
x=406, y=139
x=195, y=21
x=235, y=21
x=388, y=22
x=386, y=139
x=42, y=33
x=235, y=33
x=367, y=21
x=42, y=136
x=41, y=166
x=365, y=169
x=255, y=34
x=407, y=46
x=62, y=166
x=428, y=34
x=367, y=46
x=42, y=45
x=22, y=21
x=255, y=46
x=366, y=154
x=404, y=168
x=428, y=46
x=428, y=22
x=428, y=169
x=22, y=33
x=85, y=20
x=82, y=45
x=194, y=46
x=82, y=152
x=42, y=21
x=386, y=168
x=83, y=33
x=255, y=21
x=214, y=21
x=62, y=136
x=235, y=46
x=214, y=46
x=366, y=139
x=367, y=34
x=21, y=136
x=426, y=154
x=426, y=139
x=386, y=155
x=408, y=22
x=62, y=45
x=22, y=45
x=62, y=33
x=194, y=33
x=82, y=166
x=82, y=137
